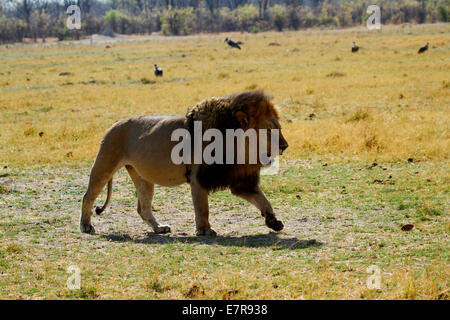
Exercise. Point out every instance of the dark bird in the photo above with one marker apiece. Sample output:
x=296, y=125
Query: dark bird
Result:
x=158, y=71
x=233, y=44
x=423, y=49
x=355, y=48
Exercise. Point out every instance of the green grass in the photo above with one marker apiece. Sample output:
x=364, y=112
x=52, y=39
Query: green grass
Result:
x=338, y=222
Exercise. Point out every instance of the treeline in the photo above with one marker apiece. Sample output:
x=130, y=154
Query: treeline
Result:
x=35, y=19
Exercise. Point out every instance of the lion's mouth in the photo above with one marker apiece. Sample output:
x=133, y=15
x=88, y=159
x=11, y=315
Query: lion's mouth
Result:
x=269, y=163
x=270, y=159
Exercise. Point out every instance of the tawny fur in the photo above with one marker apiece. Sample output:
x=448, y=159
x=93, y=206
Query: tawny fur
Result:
x=143, y=145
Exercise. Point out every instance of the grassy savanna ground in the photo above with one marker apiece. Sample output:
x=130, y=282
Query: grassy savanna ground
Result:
x=341, y=113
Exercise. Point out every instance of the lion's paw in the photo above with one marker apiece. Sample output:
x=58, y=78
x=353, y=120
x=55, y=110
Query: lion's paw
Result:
x=206, y=232
x=274, y=224
x=162, y=229
x=87, y=228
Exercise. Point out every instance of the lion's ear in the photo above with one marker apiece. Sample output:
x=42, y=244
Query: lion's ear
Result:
x=242, y=117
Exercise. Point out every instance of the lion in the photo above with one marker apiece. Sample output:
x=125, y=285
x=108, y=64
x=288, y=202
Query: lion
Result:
x=143, y=145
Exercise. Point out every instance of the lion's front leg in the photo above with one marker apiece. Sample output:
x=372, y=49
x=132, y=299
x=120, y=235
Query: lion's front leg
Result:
x=200, y=200
x=259, y=200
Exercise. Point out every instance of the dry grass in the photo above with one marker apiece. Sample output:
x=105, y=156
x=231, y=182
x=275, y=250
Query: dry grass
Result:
x=405, y=94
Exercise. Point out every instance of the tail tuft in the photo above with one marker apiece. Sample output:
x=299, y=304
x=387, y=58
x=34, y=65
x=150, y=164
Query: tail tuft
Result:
x=99, y=210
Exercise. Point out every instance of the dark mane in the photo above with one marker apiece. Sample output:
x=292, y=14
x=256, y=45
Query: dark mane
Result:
x=220, y=113
x=221, y=176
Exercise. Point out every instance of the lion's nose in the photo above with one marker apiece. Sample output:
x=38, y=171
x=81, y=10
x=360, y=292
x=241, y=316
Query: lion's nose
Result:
x=283, y=147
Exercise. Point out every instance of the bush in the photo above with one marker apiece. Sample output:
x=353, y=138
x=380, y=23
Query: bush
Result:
x=247, y=17
x=293, y=18
x=228, y=20
x=119, y=22
x=177, y=21
x=443, y=12
x=111, y=19
x=278, y=14
x=11, y=30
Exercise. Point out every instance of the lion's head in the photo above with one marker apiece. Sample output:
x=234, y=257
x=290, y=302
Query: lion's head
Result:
x=247, y=110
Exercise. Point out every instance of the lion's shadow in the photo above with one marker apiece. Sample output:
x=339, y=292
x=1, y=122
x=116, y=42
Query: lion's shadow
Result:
x=252, y=241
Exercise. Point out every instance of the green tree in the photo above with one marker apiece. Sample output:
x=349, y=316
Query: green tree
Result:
x=176, y=21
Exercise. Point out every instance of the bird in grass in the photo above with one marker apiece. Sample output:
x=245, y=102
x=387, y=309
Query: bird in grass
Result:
x=355, y=48
x=233, y=44
x=423, y=49
x=158, y=71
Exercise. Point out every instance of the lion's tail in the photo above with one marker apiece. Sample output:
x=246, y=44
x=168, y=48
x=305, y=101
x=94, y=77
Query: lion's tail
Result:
x=99, y=210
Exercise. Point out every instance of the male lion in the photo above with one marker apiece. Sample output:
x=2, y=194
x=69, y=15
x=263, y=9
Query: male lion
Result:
x=143, y=145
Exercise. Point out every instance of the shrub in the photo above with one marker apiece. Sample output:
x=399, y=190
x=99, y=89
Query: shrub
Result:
x=278, y=14
x=177, y=21
x=443, y=12
x=247, y=18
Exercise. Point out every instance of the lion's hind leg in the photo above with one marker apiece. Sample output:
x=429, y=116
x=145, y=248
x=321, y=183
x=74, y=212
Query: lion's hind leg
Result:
x=145, y=197
x=101, y=173
x=96, y=185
